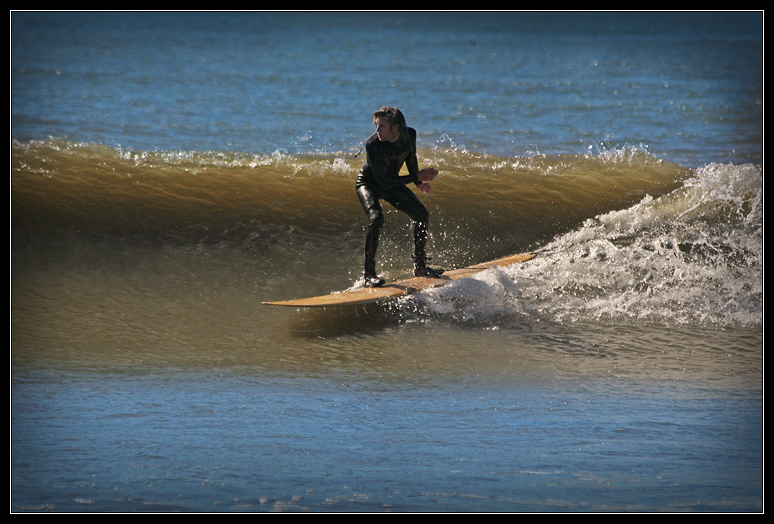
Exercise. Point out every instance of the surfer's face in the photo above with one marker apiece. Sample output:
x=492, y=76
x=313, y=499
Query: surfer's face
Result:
x=385, y=131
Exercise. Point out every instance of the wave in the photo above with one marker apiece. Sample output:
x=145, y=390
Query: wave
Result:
x=622, y=234
x=692, y=256
x=194, y=196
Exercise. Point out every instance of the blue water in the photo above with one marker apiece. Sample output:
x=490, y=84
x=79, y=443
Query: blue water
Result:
x=687, y=86
x=622, y=371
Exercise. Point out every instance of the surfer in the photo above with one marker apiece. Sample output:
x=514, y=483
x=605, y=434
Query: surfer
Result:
x=387, y=150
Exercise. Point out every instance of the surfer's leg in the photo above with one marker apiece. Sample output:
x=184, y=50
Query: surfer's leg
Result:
x=370, y=203
x=405, y=200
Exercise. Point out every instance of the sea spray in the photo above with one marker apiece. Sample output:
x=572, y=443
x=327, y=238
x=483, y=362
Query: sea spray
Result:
x=692, y=256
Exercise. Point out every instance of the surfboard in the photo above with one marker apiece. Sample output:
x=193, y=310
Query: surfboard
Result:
x=395, y=289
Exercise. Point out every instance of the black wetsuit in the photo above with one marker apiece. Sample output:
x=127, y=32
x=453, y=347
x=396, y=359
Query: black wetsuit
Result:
x=380, y=179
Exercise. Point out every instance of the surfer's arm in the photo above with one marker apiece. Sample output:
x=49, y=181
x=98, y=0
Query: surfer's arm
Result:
x=411, y=159
x=425, y=176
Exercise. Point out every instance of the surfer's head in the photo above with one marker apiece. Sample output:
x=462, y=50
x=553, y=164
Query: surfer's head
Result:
x=389, y=123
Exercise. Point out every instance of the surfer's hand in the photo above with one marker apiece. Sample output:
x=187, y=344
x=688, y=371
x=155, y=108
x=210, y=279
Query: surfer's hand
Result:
x=427, y=174
x=424, y=187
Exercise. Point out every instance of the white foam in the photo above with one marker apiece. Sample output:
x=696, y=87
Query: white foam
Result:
x=693, y=256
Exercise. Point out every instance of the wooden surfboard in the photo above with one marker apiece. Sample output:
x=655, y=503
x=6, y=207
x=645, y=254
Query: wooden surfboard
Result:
x=400, y=288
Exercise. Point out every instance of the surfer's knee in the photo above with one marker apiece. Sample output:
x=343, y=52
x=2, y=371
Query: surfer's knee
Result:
x=419, y=214
x=375, y=219
x=421, y=218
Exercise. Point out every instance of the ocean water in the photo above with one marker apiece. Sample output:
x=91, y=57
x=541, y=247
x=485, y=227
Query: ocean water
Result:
x=171, y=171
